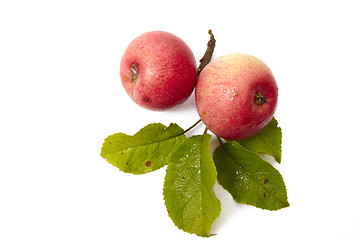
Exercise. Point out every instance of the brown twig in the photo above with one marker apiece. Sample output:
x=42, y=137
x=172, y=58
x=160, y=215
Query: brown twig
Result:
x=208, y=54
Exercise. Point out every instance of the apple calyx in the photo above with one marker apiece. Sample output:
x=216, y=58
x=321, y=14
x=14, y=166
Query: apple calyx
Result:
x=260, y=99
x=134, y=72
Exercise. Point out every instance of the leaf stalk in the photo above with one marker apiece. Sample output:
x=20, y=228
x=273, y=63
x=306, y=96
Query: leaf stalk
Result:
x=192, y=126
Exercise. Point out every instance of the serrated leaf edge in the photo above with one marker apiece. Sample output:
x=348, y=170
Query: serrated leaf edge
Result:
x=212, y=192
x=104, y=156
x=286, y=204
x=277, y=159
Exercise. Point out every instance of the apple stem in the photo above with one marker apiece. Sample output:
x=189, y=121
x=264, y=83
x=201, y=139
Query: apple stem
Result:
x=208, y=54
x=260, y=99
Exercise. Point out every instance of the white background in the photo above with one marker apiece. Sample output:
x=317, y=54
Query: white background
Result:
x=61, y=95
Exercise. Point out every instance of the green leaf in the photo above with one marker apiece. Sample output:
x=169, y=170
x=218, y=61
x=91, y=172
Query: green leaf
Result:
x=248, y=178
x=188, y=186
x=267, y=141
x=148, y=150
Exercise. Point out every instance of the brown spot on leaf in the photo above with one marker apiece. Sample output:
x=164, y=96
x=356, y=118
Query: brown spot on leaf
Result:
x=109, y=142
x=264, y=195
x=148, y=164
x=266, y=180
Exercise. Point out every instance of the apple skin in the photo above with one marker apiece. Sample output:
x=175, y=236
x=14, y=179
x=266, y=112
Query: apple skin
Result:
x=226, y=96
x=158, y=70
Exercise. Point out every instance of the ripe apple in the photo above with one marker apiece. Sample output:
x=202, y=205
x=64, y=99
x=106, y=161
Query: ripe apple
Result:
x=236, y=96
x=158, y=70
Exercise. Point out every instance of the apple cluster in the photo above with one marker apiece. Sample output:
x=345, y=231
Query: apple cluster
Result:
x=236, y=94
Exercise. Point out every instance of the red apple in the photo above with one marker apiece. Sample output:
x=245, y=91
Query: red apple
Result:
x=236, y=96
x=158, y=70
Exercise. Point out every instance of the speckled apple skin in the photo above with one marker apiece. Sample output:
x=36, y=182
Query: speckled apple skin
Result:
x=167, y=70
x=225, y=96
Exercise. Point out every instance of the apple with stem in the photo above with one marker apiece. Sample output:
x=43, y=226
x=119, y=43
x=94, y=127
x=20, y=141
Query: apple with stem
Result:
x=158, y=70
x=236, y=96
